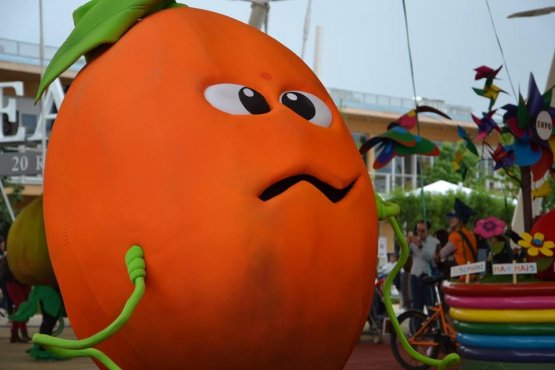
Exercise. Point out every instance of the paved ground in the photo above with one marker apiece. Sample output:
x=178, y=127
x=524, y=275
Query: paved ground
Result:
x=366, y=355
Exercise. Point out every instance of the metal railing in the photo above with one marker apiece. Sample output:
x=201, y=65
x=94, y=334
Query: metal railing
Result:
x=356, y=99
x=29, y=53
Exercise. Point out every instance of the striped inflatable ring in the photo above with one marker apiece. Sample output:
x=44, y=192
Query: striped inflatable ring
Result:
x=499, y=290
x=507, y=316
x=505, y=328
x=509, y=355
x=517, y=342
x=521, y=303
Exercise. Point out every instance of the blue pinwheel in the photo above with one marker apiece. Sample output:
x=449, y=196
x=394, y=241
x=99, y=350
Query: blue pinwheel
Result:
x=530, y=144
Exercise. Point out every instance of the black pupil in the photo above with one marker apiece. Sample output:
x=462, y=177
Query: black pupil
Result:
x=299, y=104
x=253, y=101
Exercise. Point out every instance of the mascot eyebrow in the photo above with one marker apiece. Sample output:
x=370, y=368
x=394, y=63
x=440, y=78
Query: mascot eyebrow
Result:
x=97, y=23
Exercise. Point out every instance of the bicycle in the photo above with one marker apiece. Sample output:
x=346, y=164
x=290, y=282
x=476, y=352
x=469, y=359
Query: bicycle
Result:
x=429, y=334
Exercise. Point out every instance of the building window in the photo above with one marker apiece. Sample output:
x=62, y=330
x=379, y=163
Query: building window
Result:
x=360, y=138
x=29, y=121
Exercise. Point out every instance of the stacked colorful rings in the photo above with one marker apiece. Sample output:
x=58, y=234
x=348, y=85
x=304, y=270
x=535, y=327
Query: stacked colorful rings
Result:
x=504, y=323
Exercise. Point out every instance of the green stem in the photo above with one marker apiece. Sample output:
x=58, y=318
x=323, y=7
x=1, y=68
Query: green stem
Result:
x=79, y=348
x=387, y=211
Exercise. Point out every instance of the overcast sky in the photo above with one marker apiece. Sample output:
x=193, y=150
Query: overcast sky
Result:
x=364, y=44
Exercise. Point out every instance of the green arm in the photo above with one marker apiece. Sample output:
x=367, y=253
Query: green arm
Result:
x=98, y=22
x=388, y=211
x=136, y=269
x=26, y=309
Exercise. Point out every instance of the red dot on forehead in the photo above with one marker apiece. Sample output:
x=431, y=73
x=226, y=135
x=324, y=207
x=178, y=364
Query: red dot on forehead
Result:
x=266, y=76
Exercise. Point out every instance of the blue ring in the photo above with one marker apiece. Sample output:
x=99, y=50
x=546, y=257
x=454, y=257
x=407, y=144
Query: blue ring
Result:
x=517, y=342
x=490, y=354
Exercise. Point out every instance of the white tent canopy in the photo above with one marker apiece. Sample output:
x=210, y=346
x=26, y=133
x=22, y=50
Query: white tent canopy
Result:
x=442, y=187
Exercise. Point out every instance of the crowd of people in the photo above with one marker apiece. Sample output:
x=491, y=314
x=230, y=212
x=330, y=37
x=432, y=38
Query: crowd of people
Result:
x=432, y=254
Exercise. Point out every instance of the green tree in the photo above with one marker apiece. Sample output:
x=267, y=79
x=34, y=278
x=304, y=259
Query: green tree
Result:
x=549, y=201
x=438, y=205
x=443, y=166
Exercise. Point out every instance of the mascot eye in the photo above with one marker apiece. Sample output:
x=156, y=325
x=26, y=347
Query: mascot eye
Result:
x=236, y=99
x=308, y=106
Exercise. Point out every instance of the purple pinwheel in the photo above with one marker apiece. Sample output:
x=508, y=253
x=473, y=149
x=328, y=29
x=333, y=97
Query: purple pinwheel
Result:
x=485, y=125
x=503, y=156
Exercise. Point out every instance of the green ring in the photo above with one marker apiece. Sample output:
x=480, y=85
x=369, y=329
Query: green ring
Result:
x=505, y=328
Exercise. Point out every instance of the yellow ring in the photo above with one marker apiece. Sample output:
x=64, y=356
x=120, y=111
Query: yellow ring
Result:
x=522, y=316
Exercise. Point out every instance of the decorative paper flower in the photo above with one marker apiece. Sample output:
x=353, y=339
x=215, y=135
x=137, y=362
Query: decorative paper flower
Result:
x=536, y=244
x=489, y=227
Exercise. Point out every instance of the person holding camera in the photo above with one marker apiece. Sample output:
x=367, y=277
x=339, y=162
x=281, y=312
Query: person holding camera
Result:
x=423, y=249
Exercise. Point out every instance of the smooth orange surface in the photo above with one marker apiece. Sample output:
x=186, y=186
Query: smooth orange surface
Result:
x=138, y=155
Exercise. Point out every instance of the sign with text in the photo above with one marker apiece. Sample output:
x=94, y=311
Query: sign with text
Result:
x=16, y=164
x=515, y=268
x=471, y=268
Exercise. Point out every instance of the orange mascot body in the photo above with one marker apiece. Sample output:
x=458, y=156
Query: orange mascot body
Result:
x=219, y=152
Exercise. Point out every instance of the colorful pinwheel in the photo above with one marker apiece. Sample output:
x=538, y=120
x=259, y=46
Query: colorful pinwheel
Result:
x=459, y=165
x=503, y=156
x=485, y=125
x=530, y=122
x=490, y=90
x=469, y=144
x=408, y=120
x=398, y=141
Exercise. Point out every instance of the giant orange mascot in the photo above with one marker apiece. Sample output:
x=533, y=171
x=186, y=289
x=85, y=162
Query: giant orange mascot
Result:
x=217, y=152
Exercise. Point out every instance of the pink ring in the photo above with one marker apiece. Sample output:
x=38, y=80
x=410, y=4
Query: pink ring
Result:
x=499, y=290
x=519, y=303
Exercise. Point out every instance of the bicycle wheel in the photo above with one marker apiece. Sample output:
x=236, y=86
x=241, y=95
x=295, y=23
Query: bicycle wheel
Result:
x=410, y=322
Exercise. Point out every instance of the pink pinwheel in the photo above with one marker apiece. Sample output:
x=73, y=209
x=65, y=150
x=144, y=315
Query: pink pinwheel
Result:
x=489, y=227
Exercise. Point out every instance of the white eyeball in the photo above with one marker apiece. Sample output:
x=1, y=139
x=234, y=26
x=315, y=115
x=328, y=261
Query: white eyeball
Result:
x=308, y=106
x=236, y=99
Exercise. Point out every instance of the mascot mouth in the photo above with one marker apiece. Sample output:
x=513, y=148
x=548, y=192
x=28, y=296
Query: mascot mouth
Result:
x=333, y=194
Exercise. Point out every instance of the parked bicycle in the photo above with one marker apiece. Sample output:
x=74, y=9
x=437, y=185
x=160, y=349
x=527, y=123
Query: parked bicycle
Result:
x=430, y=334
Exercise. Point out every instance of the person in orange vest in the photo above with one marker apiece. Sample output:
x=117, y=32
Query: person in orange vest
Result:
x=461, y=246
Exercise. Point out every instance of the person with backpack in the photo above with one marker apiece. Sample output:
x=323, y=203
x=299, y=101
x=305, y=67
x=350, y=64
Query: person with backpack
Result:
x=461, y=246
